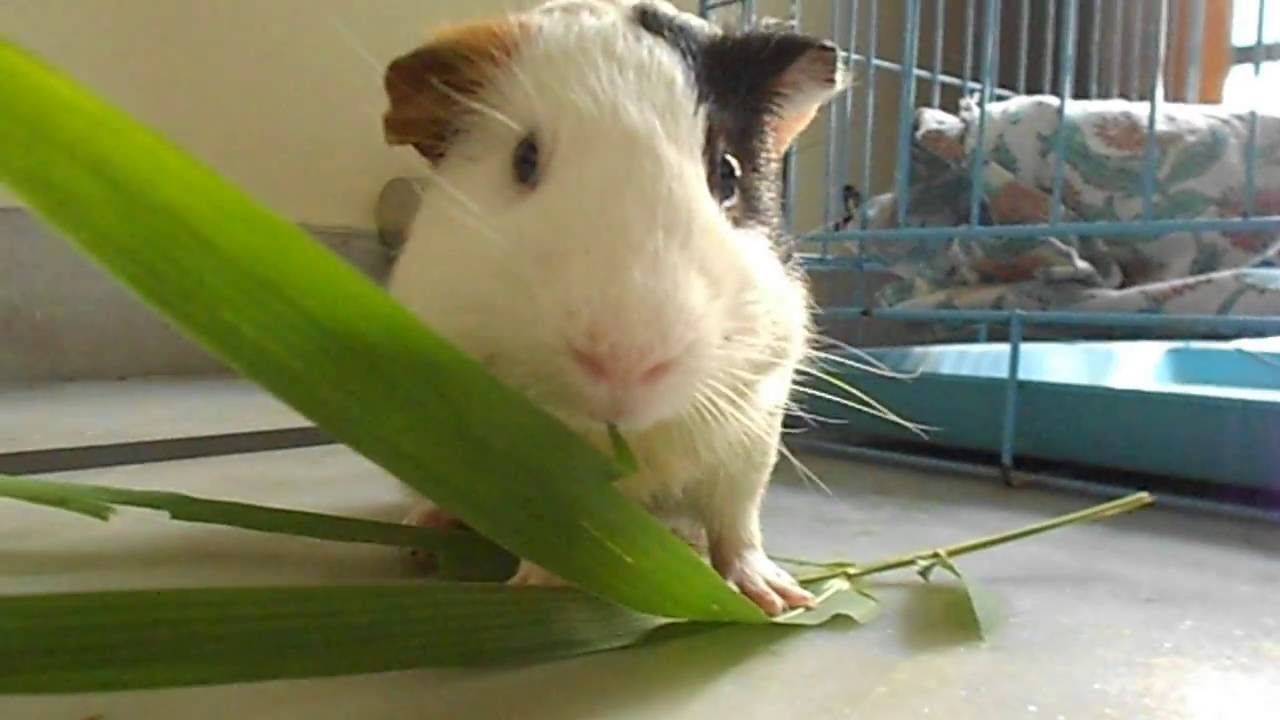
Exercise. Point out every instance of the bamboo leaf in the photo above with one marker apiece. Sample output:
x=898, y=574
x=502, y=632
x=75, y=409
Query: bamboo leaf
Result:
x=152, y=639
x=978, y=609
x=621, y=450
x=51, y=495
x=288, y=313
x=837, y=597
x=172, y=638
x=131, y=640
x=463, y=555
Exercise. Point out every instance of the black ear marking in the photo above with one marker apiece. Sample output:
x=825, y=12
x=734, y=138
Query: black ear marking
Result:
x=781, y=75
x=759, y=90
x=678, y=31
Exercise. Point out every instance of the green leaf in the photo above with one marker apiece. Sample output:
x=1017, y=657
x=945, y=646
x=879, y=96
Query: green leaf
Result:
x=626, y=459
x=288, y=313
x=54, y=496
x=837, y=597
x=980, y=609
x=462, y=555
x=151, y=639
x=171, y=638
x=147, y=639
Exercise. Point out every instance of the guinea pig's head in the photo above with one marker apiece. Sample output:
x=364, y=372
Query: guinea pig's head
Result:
x=600, y=222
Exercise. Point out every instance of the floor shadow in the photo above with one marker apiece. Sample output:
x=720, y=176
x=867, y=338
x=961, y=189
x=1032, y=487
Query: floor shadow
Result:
x=676, y=663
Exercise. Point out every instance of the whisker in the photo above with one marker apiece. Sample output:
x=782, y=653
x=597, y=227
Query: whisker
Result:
x=479, y=107
x=354, y=43
x=861, y=367
x=842, y=345
x=741, y=413
x=736, y=408
x=477, y=220
x=919, y=430
x=854, y=392
x=744, y=411
x=473, y=218
x=804, y=471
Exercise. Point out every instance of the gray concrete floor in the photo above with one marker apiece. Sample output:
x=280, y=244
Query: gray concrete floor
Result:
x=1160, y=614
x=97, y=412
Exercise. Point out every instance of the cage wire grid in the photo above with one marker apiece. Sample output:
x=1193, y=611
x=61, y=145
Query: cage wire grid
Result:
x=1116, y=28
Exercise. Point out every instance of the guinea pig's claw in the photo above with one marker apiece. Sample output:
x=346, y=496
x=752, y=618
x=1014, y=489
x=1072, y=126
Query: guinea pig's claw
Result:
x=764, y=583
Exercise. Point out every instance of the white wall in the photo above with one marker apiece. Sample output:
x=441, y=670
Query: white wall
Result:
x=279, y=94
x=270, y=92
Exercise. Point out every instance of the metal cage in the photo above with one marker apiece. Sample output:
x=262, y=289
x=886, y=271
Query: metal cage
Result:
x=935, y=53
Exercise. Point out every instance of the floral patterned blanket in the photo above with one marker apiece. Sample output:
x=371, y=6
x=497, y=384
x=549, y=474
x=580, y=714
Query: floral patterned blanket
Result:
x=1200, y=174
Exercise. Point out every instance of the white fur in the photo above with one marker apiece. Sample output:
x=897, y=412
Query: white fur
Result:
x=621, y=238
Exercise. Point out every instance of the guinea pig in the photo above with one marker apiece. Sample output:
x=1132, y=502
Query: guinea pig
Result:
x=601, y=228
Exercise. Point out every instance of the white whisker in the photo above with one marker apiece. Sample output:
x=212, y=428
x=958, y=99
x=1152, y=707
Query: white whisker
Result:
x=803, y=470
x=745, y=413
x=868, y=362
x=919, y=430
x=746, y=416
x=479, y=107
x=854, y=392
x=354, y=43
x=476, y=219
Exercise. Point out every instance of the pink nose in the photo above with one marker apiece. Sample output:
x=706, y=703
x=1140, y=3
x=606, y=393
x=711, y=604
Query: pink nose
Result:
x=618, y=369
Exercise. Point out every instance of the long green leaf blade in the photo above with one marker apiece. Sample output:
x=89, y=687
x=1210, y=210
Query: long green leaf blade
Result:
x=84, y=642
x=130, y=640
x=461, y=555
x=54, y=496
x=286, y=312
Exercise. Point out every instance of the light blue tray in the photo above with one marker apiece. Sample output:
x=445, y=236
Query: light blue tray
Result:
x=1207, y=411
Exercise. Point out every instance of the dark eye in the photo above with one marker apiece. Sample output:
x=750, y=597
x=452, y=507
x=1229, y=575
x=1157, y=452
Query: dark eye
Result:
x=729, y=173
x=525, y=162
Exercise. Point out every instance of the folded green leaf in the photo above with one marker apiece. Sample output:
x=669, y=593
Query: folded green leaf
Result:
x=461, y=555
x=288, y=313
x=981, y=607
x=837, y=597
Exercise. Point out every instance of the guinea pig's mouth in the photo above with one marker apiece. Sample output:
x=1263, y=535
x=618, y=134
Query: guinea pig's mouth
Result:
x=629, y=410
x=632, y=392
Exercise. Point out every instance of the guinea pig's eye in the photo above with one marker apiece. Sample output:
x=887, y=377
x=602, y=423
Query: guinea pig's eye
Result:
x=730, y=173
x=524, y=162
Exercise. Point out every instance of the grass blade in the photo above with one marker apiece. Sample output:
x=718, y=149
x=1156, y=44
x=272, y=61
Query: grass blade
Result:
x=85, y=642
x=461, y=555
x=52, y=495
x=132, y=640
x=288, y=313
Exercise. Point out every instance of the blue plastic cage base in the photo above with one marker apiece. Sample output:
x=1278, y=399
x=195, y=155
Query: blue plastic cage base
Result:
x=1198, y=410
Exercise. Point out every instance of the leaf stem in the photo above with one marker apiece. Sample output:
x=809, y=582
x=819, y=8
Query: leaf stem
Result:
x=853, y=570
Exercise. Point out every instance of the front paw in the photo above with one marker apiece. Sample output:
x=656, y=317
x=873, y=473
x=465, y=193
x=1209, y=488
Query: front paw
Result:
x=533, y=575
x=427, y=514
x=762, y=581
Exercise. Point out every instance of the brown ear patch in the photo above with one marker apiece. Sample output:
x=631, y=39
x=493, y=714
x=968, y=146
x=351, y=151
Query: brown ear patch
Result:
x=429, y=88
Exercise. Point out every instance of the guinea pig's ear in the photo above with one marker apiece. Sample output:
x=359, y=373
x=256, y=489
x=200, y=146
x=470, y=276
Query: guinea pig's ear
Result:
x=816, y=73
x=432, y=89
x=786, y=75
